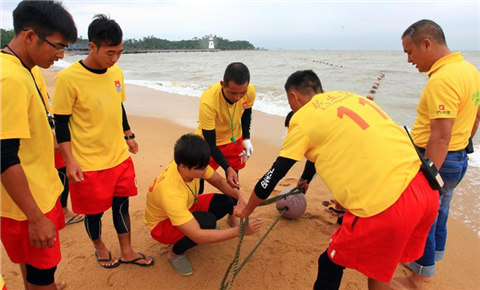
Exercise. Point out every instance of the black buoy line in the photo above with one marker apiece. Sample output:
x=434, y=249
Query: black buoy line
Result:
x=227, y=283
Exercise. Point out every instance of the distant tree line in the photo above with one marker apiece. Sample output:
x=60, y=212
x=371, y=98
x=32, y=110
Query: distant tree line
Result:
x=152, y=42
x=5, y=36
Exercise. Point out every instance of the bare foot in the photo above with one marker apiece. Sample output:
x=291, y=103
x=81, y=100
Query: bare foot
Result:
x=233, y=221
x=60, y=285
x=414, y=281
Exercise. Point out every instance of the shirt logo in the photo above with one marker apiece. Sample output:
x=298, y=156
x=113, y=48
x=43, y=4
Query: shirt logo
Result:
x=244, y=105
x=476, y=98
x=118, y=86
x=441, y=110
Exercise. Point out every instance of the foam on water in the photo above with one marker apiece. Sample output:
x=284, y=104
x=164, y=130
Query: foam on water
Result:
x=187, y=89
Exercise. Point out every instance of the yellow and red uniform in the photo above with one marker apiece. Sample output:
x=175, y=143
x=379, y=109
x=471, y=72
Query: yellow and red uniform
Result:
x=334, y=147
x=23, y=117
x=171, y=201
x=94, y=102
x=371, y=168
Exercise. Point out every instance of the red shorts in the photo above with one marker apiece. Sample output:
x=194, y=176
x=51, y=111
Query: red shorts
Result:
x=95, y=193
x=375, y=245
x=232, y=152
x=16, y=241
x=166, y=233
x=59, y=163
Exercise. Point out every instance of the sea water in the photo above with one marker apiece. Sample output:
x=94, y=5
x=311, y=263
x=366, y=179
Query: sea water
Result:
x=190, y=73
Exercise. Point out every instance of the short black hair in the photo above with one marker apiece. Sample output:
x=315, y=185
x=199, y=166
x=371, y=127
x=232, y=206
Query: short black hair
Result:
x=192, y=151
x=237, y=72
x=304, y=81
x=104, y=31
x=424, y=29
x=45, y=18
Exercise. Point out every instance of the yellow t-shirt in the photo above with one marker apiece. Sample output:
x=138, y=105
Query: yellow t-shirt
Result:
x=452, y=91
x=23, y=117
x=364, y=158
x=94, y=102
x=170, y=197
x=216, y=113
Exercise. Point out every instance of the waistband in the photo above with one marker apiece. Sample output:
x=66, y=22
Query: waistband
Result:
x=422, y=150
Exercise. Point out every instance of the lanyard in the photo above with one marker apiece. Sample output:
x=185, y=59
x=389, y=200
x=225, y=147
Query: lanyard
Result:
x=230, y=116
x=49, y=117
x=195, y=196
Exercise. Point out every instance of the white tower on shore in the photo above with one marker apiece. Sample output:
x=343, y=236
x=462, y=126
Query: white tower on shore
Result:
x=210, y=43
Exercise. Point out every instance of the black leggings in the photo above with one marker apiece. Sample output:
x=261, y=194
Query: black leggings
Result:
x=62, y=173
x=329, y=274
x=220, y=205
x=40, y=277
x=120, y=215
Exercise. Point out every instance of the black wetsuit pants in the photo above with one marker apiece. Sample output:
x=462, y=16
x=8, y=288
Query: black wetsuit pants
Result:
x=120, y=215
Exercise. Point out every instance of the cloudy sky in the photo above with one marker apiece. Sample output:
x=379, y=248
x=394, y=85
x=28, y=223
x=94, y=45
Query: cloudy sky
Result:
x=282, y=24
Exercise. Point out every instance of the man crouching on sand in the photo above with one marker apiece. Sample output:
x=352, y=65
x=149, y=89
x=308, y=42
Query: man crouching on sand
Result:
x=371, y=168
x=177, y=215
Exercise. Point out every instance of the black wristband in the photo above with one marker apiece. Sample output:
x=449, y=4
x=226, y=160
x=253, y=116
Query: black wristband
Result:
x=131, y=136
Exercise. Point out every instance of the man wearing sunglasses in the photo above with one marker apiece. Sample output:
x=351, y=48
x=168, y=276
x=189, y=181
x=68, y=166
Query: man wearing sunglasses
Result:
x=31, y=214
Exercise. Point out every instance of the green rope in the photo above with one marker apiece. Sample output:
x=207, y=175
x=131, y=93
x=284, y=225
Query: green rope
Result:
x=243, y=225
x=234, y=263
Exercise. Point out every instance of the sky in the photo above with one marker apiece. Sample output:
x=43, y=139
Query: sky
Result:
x=350, y=25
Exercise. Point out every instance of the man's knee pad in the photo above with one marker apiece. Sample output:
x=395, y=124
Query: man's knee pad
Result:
x=40, y=277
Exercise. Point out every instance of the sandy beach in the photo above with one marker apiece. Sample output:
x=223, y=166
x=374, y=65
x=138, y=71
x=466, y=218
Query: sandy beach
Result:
x=287, y=259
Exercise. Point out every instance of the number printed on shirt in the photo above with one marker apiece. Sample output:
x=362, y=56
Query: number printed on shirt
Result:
x=355, y=117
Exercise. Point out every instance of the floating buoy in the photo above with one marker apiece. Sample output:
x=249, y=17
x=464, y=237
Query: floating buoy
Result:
x=296, y=204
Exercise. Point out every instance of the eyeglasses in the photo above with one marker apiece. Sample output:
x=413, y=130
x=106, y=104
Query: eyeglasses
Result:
x=57, y=48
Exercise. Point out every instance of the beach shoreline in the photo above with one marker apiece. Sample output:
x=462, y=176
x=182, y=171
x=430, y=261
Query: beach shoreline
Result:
x=287, y=259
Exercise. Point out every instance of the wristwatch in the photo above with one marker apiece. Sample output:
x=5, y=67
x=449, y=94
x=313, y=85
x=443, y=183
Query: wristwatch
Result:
x=131, y=136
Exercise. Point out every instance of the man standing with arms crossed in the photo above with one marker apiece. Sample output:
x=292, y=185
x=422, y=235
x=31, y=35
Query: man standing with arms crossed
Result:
x=31, y=214
x=91, y=129
x=447, y=116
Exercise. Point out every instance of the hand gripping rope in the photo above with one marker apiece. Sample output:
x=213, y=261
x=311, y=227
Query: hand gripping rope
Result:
x=226, y=285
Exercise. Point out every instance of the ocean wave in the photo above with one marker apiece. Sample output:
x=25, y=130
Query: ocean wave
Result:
x=180, y=88
x=267, y=102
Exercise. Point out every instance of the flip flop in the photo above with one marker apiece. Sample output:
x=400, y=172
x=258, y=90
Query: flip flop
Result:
x=328, y=203
x=76, y=218
x=135, y=261
x=182, y=265
x=337, y=211
x=114, y=265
